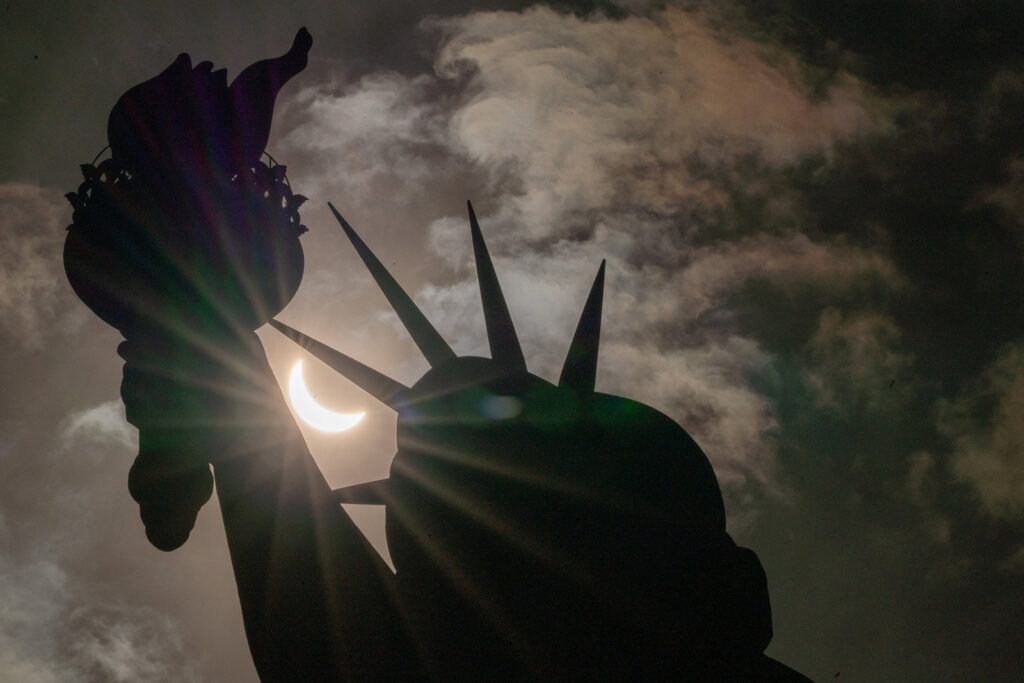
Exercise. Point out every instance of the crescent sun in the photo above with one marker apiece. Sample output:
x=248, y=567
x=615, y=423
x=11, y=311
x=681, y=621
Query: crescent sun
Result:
x=311, y=412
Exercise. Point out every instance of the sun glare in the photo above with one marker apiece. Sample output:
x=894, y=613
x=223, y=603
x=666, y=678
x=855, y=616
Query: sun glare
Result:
x=311, y=412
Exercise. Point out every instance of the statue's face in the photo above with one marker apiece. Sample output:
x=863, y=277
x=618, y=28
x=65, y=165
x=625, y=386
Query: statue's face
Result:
x=495, y=469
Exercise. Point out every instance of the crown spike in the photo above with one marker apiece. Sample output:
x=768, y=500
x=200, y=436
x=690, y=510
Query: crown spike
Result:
x=369, y=493
x=430, y=343
x=381, y=387
x=501, y=334
x=579, y=372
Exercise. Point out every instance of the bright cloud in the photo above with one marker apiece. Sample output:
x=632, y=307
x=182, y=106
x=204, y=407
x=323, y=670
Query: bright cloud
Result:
x=596, y=114
x=100, y=425
x=590, y=139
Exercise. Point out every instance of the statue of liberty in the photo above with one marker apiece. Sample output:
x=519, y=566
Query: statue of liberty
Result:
x=539, y=531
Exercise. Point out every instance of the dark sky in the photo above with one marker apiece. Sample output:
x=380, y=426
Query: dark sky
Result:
x=813, y=216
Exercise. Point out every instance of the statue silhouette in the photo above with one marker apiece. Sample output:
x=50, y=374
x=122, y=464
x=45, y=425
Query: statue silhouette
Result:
x=538, y=531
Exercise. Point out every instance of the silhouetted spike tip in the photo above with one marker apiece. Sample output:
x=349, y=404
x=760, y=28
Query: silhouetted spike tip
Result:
x=501, y=333
x=378, y=385
x=579, y=372
x=369, y=493
x=434, y=348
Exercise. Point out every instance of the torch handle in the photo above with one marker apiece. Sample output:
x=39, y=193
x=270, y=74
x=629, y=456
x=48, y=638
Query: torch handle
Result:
x=186, y=397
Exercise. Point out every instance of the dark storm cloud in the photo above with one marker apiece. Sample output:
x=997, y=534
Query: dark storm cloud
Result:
x=936, y=194
x=928, y=45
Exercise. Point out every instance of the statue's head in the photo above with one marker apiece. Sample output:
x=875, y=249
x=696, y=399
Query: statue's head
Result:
x=508, y=486
x=494, y=457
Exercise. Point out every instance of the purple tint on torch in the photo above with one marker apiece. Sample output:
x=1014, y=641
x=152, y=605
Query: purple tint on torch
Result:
x=188, y=119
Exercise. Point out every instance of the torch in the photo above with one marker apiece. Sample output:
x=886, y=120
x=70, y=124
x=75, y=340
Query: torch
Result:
x=186, y=240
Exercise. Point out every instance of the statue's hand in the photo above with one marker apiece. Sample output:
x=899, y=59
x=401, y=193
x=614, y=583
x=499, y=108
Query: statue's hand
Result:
x=195, y=402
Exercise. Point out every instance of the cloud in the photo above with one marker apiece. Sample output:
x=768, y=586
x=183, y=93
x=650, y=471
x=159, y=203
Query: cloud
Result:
x=62, y=621
x=706, y=389
x=592, y=138
x=855, y=361
x=594, y=114
x=380, y=136
x=34, y=294
x=986, y=426
x=1009, y=198
x=30, y=610
x=50, y=633
x=566, y=115
x=99, y=426
x=117, y=643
